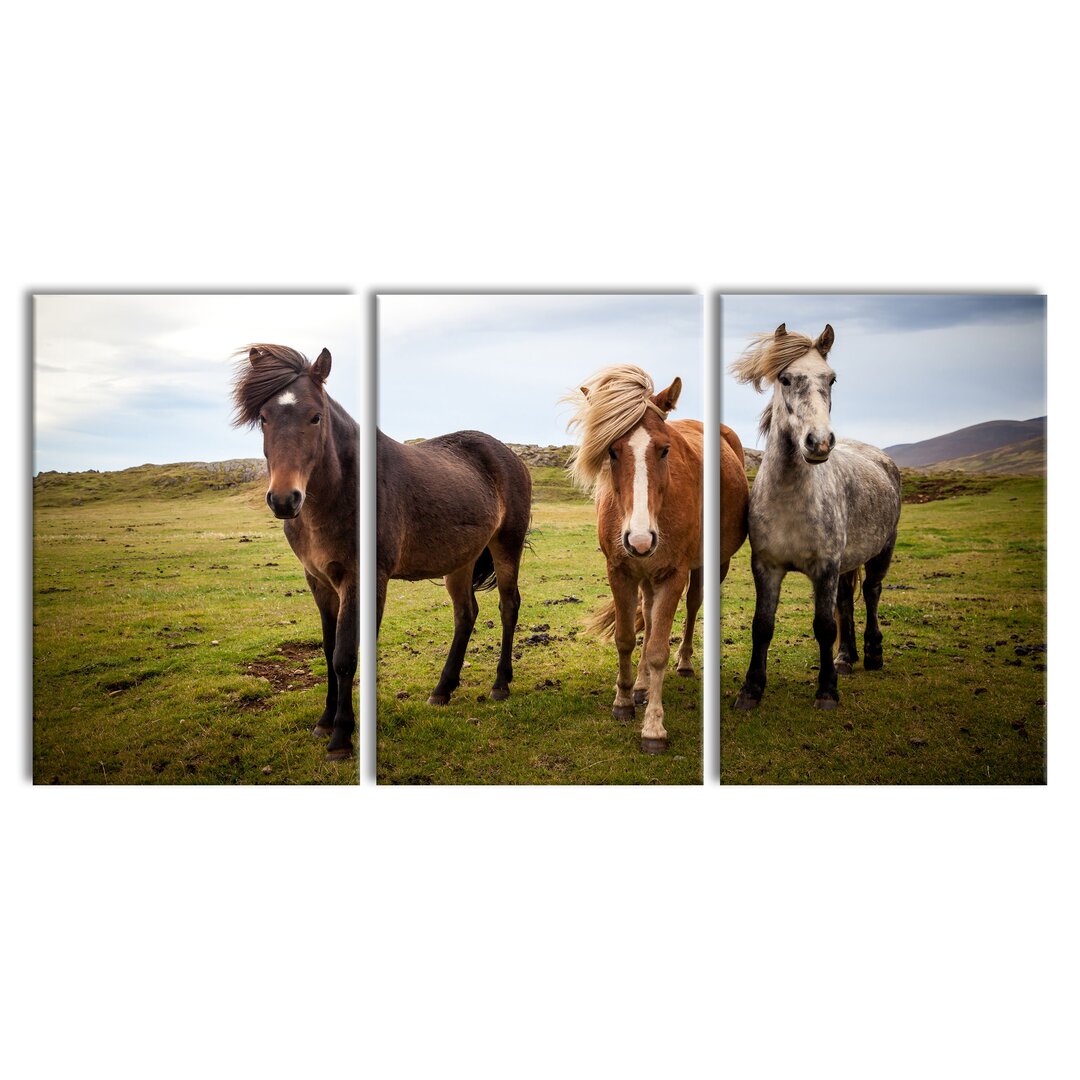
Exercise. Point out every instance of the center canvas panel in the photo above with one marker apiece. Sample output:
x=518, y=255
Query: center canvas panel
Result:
x=539, y=538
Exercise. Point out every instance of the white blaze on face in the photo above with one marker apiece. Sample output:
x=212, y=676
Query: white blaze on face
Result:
x=288, y=398
x=640, y=525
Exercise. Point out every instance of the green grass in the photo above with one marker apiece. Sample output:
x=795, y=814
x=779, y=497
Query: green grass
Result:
x=556, y=727
x=175, y=640
x=961, y=699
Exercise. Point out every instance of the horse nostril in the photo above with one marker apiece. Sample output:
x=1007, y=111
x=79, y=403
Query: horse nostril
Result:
x=811, y=443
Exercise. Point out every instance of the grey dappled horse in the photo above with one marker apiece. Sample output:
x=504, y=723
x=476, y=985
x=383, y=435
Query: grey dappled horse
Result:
x=820, y=506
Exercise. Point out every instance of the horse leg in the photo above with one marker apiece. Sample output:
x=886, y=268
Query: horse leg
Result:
x=342, y=673
x=693, y=604
x=767, y=581
x=382, y=579
x=876, y=568
x=507, y=559
x=641, y=683
x=848, y=654
x=460, y=587
x=825, y=595
x=666, y=597
x=624, y=593
x=327, y=601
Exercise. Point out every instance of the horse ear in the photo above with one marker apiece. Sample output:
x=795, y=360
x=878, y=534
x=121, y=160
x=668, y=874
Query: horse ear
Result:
x=321, y=368
x=666, y=399
x=780, y=331
x=256, y=354
x=584, y=390
x=825, y=341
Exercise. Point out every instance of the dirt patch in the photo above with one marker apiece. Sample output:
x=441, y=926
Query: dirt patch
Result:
x=922, y=488
x=291, y=673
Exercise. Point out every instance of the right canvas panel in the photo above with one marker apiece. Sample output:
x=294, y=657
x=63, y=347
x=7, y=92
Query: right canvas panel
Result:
x=883, y=539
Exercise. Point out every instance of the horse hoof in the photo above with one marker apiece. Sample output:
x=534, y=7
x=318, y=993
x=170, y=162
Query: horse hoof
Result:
x=622, y=712
x=652, y=746
x=641, y=697
x=873, y=663
x=499, y=693
x=843, y=667
x=826, y=703
x=344, y=754
x=321, y=732
x=746, y=701
x=686, y=672
x=439, y=699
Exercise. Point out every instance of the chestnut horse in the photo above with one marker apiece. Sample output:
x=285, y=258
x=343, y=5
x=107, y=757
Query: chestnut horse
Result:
x=734, y=497
x=312, y=449
x=455, y=507
x=646, y=477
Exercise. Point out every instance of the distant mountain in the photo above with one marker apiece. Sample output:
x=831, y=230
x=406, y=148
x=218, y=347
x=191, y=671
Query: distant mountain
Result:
x=979, y=447
x=1027, y=458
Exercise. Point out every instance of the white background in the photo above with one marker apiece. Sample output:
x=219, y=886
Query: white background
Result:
x=784, y=932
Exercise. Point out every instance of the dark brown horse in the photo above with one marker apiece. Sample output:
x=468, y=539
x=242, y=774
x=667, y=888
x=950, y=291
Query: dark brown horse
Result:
x=455, y=507
x=312, y=449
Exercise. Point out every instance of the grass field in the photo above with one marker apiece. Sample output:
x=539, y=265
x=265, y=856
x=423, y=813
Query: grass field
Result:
x=962, y=697
x=175, y=640
x=556, y=727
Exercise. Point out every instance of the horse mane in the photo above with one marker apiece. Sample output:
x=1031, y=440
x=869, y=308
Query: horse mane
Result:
x=254, y=382
x=768, y=354
x=763, y=360
x=607, y=406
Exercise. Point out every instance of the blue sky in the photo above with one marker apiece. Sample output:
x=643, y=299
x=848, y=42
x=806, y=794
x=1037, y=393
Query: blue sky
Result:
x=130, y=380
x=500, y=363
x=908, y=367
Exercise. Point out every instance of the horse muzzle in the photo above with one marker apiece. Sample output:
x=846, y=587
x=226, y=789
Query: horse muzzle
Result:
x=639, y=545
x=287, y=506
x=815, y=450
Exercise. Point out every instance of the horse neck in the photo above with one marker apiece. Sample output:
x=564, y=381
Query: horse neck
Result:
x=336, y=468
x=783, y=463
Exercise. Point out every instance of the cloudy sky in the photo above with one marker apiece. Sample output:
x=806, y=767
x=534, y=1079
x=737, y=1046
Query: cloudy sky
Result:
x=130, y=380
x=500, y=363
x=908, y=367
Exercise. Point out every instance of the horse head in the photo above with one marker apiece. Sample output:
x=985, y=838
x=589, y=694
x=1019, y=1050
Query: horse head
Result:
x=802, y=398
x=294, y=434
x=638, y=468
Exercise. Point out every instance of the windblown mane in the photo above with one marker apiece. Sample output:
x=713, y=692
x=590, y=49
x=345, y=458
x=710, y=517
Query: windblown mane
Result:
x=254, y=383
x=611, y=403
x=768, y=355
x=763, y=360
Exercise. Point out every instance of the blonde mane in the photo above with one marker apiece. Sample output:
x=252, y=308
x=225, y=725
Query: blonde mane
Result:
x=768, y=354
x=606, y=407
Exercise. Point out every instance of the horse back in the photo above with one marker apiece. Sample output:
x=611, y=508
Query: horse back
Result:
x=440, y=501
x=734, y=442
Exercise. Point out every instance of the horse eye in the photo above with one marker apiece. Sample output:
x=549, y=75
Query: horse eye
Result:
x=612, y=453
x=664, y=451
x=832, y=381
x=262, y=420
x=316, y=418
x=785, y=381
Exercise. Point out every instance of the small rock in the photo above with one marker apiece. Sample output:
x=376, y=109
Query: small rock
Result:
x=267, y=770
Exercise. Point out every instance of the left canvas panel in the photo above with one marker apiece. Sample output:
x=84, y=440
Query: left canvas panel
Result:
x=196, y=496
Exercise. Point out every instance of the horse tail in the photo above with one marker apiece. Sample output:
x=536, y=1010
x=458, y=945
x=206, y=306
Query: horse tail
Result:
x=483, y=575
x=855, y=577
x=602, y=621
